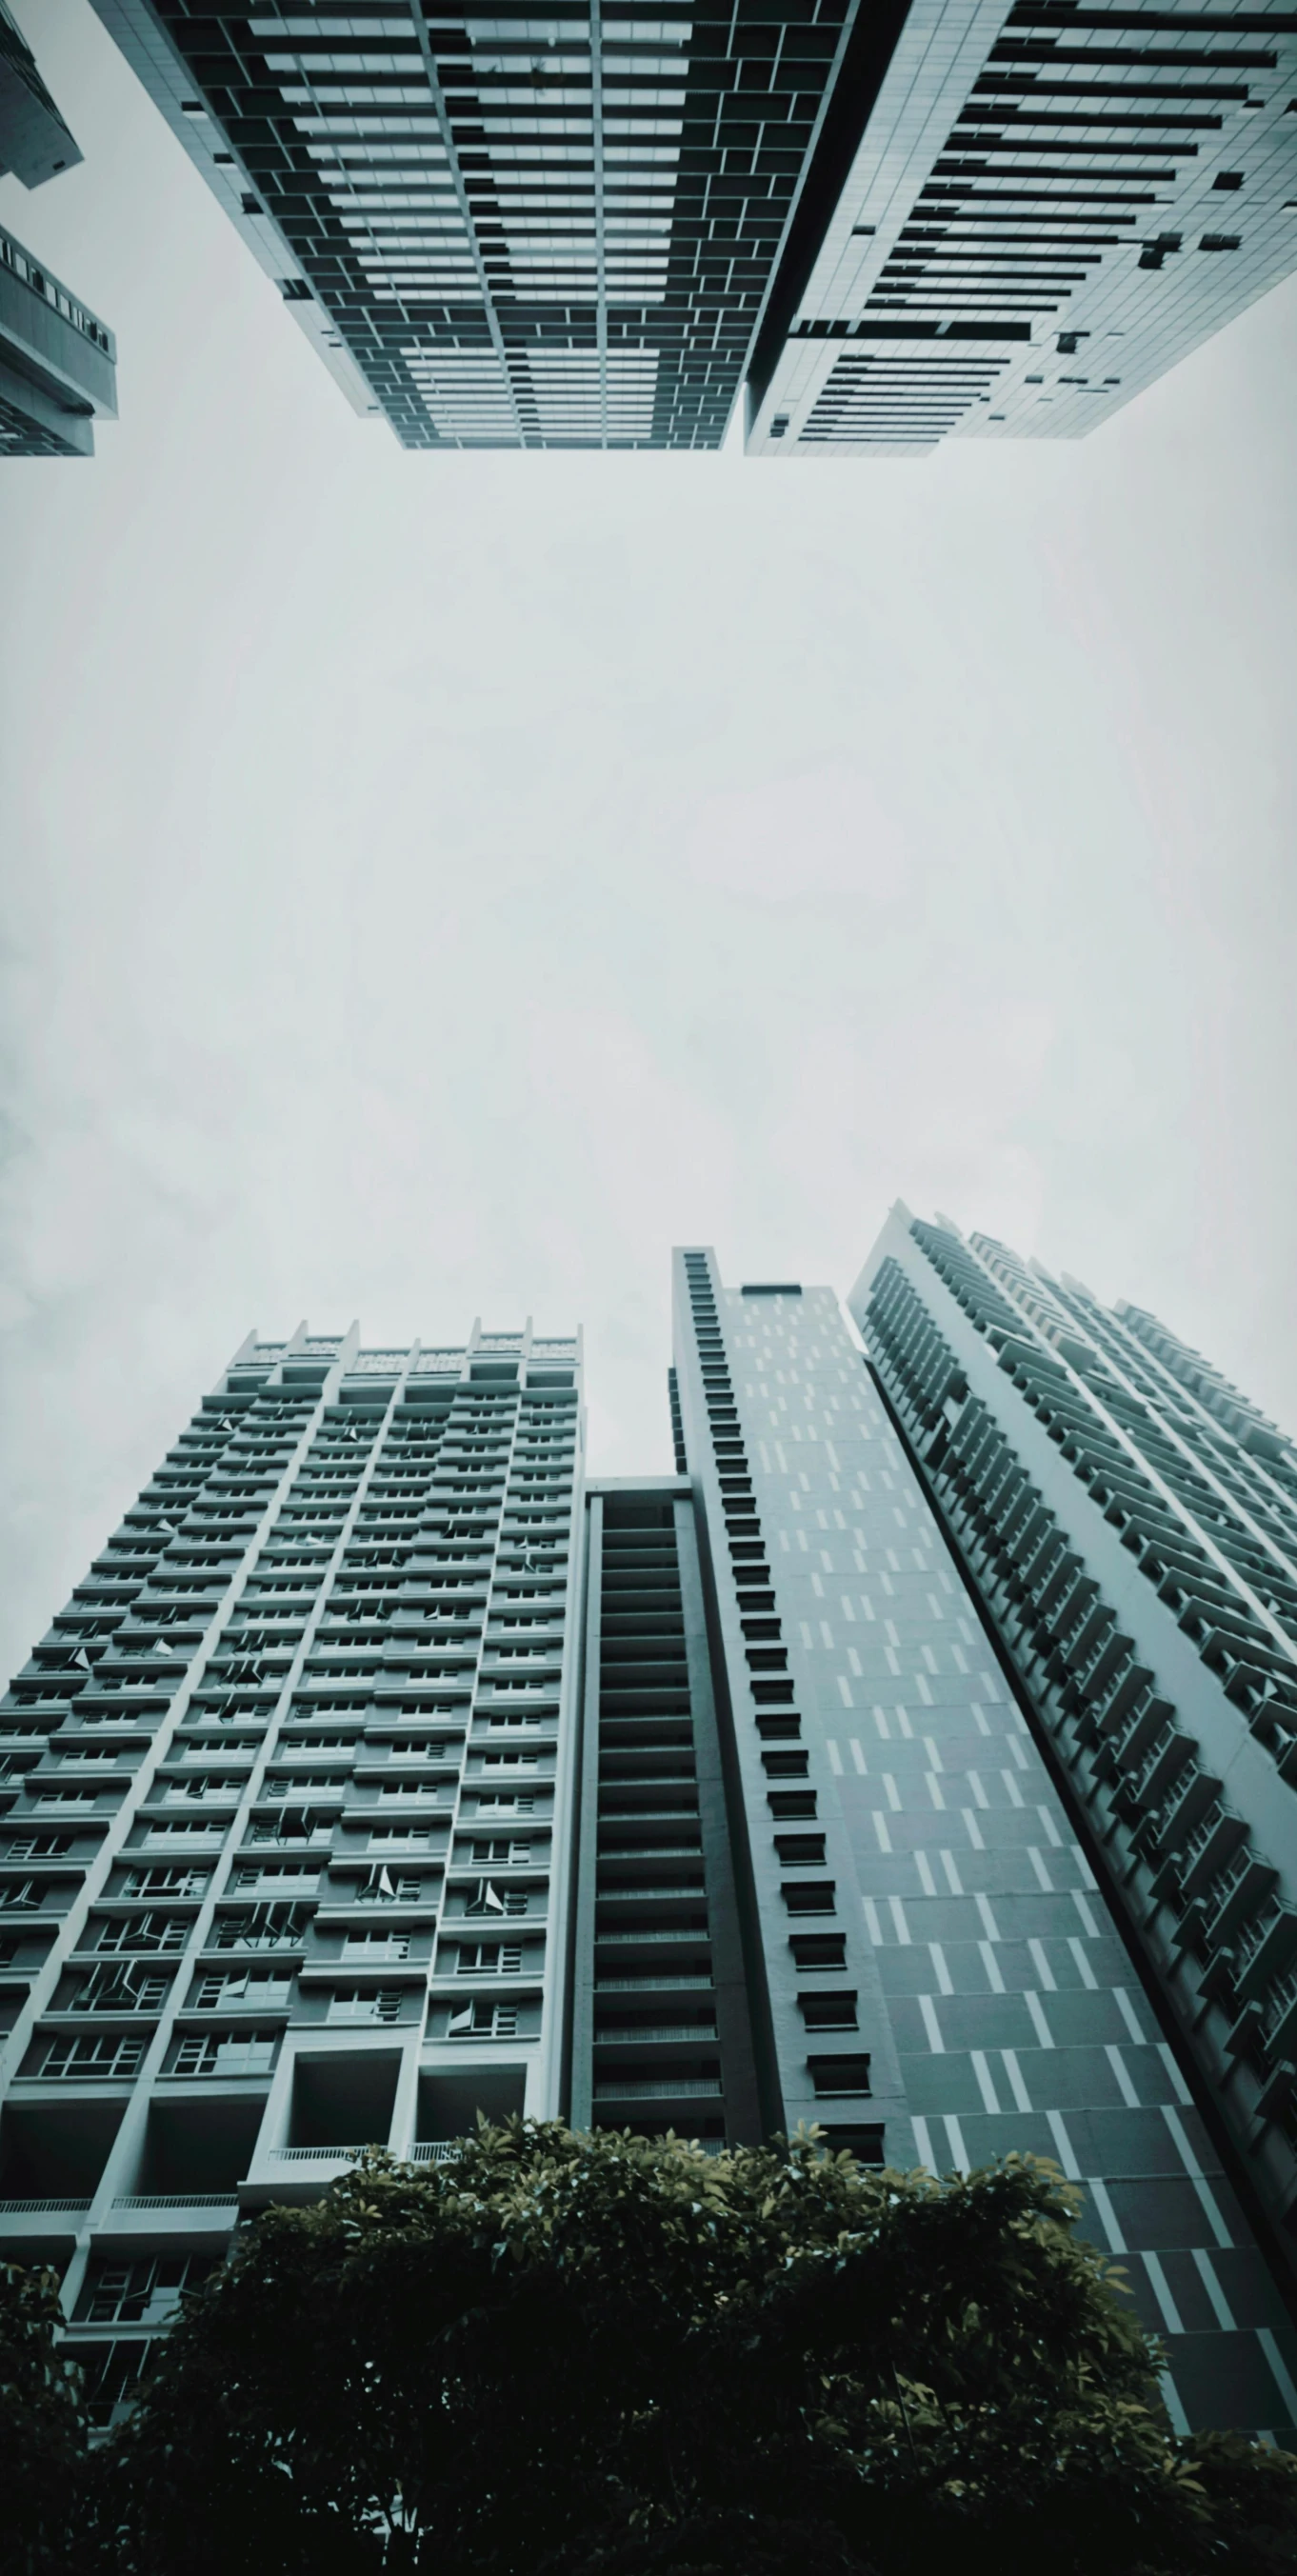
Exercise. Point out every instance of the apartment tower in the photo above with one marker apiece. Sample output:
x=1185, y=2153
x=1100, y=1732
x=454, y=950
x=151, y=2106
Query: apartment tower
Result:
x=388, y=1768
x=285, y=1782
x=893, y=225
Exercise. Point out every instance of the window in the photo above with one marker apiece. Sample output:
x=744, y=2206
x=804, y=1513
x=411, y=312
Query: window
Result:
x=800, y=1851
x=225, y=2052
x=809, y=1896
x=840, y=2074
x=142, y=1930
x=829, y=2011
x=123, y=1988
x=166, y=1882
x=362, y=2003
x=145, y=2292
x=380, y=1888
x=487, y=1898
x=489, y=1959
x=480, y=2020
x=519, y=1853
x=249, y=1986
x=376, y=1947
x=112, y=2373
x=260, y=1927
x=92, y=2059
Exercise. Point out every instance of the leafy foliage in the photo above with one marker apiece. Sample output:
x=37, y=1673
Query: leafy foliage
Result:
x=612, y=2357
x=42, y=2437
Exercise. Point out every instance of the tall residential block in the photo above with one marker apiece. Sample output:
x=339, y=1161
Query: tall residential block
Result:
x=388, y=1768
x=516, y=231
x=894, y=224
x=286, y=1780
x=1130, y=1523
x=943, y=1949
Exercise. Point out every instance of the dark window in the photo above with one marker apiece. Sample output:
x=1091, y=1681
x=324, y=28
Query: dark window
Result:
x=785, y=1766
x=840, y=2074
x=809, y=1896
x=800, y=1851
x=819, y=1949
x=829, y=2011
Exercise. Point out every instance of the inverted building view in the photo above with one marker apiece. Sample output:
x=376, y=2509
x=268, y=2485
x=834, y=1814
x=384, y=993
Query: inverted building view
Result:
x=58, y=361
x=590, y=228
x=387, y=1768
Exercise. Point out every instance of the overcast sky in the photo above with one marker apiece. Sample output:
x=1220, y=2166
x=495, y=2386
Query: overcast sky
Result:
x=436, y=885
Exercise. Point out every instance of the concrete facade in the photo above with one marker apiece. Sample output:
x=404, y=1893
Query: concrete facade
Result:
x=290, y=1783
x=386, y=1769
x=1114, y=1535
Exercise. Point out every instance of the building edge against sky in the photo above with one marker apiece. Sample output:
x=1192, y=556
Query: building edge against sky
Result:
x=964, y=217
x=1051, y=206
x=386, y=1766
x=1130, y=1524
x=58, y=361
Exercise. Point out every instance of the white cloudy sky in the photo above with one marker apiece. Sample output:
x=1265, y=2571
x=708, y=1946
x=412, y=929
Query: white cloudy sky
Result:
x=434, y=885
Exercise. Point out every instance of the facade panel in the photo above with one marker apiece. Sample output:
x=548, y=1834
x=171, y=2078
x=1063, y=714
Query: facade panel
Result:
x=1050, y=207
x=662, y=2037
x=978, y=1983
x=509, y=231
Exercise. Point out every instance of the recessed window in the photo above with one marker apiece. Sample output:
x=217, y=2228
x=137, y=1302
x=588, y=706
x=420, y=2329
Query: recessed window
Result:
x=840, y=2073
x=809, y=1896
x=829, y=2011
x=818, y=1950
x=800, y=1851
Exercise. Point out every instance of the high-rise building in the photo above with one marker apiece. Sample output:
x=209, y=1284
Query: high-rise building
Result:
x=591, y=229
x=1050, y=207
x=943, y=1946
x=387, y=1768
x=1130, y=1523
x=58, y=362
x=512, y=231
x=284, y=1782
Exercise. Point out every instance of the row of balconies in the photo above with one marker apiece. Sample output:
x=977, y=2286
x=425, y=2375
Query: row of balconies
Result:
x=1196, y=1848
